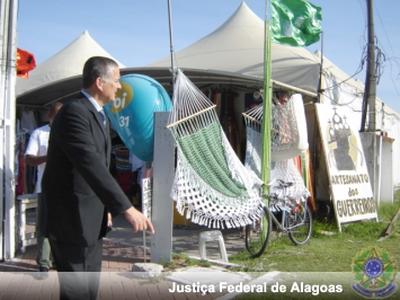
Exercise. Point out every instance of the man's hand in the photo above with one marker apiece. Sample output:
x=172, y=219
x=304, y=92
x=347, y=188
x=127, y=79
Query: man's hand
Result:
x=138, y=221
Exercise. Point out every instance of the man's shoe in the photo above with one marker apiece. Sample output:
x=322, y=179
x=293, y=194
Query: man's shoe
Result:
x=43, y=269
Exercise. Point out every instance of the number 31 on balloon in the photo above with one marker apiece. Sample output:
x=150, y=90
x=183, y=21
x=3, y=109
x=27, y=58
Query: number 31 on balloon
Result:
x=122, y=100
x=118, y=105
x=123, y=121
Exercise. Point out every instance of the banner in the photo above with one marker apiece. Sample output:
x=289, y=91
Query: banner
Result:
x=347, y=169
x=295, y=22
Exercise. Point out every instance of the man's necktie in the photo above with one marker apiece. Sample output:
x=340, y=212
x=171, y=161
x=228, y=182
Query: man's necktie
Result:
x=103, y=117
x=108, y=144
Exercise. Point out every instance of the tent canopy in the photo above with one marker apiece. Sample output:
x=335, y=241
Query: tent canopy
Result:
x=232, y=54
x=69, y=87
x=60, y=73
x=237, y=47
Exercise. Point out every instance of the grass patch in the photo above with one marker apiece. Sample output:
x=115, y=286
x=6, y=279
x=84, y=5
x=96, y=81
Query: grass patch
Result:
x=180, y=260
x=328, y=250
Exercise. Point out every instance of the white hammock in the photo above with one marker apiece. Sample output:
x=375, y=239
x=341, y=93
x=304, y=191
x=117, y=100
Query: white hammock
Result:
x=289, y=139
x=211, y=185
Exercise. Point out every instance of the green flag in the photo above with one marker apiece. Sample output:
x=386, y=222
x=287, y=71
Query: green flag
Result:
x=295, y=22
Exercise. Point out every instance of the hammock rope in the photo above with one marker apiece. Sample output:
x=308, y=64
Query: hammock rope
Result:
x=211, y=185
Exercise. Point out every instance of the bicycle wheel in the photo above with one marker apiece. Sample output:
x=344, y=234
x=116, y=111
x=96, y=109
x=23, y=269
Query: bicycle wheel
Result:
x=300, y=222
x=257, y=235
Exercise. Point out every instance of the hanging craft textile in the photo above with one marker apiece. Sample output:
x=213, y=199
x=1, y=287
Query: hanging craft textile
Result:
x=211, y=185
x=289, y=139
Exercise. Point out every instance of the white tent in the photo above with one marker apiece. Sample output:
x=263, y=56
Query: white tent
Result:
x=59, y=69
x=232, y=54
x=237, y=47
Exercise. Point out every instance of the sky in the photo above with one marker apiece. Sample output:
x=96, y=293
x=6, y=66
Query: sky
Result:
x=136, y=32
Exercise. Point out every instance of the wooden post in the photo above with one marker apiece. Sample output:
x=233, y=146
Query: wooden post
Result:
x=163, y=174
x=369, y=100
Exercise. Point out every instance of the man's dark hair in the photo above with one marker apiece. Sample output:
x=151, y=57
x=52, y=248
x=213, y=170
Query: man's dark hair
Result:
x=96, y=66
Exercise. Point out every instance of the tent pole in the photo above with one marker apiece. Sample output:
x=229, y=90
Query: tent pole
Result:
x=171, y=45
x=293, y=88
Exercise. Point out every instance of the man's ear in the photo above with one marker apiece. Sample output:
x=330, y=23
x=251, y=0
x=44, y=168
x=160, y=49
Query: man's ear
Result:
x=99, y=83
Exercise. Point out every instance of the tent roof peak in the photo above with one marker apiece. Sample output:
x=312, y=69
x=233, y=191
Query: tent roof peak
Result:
x=66, y=63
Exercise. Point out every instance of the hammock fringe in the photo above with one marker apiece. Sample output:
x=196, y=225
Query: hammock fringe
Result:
x=199, y=218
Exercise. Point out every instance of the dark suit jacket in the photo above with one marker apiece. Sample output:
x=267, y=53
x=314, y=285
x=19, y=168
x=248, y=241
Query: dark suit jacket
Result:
x=77, y=184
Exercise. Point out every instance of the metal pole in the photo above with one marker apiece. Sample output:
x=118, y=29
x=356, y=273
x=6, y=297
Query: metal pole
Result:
x=171, y=45
x=321, y=68
x=9, y=131
x=267, y=106
x=3, y=57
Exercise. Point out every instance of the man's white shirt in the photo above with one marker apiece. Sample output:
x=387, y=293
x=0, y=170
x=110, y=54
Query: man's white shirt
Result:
x=97, y=106
x=37, y=146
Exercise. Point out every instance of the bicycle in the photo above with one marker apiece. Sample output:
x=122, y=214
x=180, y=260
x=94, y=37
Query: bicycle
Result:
x=295, y=220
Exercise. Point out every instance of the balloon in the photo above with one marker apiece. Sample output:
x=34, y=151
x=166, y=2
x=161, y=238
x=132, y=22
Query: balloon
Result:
x=132, y=112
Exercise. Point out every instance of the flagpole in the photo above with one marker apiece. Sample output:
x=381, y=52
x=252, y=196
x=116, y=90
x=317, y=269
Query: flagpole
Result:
x=267, y=106
x=321, y=68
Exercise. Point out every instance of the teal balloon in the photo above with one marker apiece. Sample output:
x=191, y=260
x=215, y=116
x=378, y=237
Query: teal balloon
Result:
x=132, y=112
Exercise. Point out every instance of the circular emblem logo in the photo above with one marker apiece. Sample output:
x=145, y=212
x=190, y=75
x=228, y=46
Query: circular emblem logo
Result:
x=374, y=273
x=373, y=267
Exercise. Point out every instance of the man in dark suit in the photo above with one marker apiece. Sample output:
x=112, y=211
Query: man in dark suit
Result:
x=78, y=186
